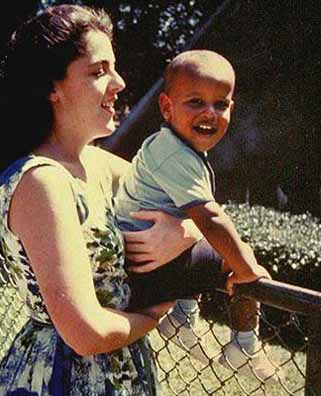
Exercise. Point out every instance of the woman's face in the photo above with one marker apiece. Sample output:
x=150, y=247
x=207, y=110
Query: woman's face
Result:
x=84, y=101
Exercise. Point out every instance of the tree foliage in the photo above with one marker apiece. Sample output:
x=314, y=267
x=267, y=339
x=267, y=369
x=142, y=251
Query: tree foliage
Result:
x=147, y=34
x=272, y=146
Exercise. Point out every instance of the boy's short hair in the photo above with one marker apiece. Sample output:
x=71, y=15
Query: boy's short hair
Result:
x=189, y=62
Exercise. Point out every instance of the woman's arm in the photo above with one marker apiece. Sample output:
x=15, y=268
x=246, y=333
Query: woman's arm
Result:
x=43, y=216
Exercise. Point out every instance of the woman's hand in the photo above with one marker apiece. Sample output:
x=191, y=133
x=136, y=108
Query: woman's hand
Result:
x=165, y=240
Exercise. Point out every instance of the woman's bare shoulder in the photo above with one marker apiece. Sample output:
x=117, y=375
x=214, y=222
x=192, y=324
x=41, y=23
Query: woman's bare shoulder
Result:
x=115, y=164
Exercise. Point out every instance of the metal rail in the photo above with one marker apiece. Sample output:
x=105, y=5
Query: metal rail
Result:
x=299, y=300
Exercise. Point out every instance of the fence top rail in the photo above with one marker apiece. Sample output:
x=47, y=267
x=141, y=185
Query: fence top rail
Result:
x=283, y=296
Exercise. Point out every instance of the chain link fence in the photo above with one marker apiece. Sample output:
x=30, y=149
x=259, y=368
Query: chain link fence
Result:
x=290, y=327
x=284, y=346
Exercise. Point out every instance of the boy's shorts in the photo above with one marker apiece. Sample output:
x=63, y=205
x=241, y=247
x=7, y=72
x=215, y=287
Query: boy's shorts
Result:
x=196, y=270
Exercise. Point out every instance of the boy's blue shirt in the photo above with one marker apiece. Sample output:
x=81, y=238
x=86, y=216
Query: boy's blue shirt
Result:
x=166, y=174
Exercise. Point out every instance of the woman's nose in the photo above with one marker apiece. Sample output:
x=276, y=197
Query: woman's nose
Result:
x=118, y=84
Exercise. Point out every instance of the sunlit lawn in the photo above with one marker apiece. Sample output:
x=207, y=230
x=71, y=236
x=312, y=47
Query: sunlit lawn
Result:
x=178, y=373
x=189, y=377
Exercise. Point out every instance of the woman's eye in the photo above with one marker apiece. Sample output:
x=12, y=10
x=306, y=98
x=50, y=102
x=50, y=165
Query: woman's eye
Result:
x=99, y=73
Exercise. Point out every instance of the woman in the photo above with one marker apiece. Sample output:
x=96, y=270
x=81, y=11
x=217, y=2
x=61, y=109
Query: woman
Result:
x=58, y=234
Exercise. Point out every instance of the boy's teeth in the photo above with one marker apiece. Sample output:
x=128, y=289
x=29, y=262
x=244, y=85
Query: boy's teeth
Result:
x=205, y=128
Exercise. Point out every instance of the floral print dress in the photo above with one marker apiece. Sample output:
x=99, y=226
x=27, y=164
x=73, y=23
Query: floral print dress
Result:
x=39, y=363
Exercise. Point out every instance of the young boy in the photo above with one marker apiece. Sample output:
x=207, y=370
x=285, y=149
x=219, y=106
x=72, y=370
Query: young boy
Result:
x=171, y=172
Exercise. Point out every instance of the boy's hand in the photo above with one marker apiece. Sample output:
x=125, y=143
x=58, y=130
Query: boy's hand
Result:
x=251, y=275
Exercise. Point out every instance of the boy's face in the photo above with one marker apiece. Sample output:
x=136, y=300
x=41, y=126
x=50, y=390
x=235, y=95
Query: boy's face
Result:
x=198, y=107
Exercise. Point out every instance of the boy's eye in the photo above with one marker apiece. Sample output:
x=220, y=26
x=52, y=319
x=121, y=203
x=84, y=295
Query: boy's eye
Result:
x=221, y=105
x=195, y=102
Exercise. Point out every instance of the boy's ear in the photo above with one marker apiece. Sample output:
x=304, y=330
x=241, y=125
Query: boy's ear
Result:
x=232, y=106
x=54, y=94
x=165, y=105
x=53, y=97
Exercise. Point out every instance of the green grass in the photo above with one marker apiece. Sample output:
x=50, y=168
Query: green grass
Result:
x=179, y=374
x=12, y=317
x=187, y=376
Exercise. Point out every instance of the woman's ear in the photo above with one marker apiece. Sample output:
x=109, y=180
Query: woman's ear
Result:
x=165, y=105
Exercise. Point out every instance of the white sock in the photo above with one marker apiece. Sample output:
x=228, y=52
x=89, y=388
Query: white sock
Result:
x=247, y=340
x=183, y=337
x=186, y=312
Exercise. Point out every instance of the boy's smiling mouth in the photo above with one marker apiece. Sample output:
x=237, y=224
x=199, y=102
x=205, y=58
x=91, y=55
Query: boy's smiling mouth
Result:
x=205, y=129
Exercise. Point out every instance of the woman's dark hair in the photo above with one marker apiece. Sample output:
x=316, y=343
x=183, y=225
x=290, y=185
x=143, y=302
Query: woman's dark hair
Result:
x=37, y=54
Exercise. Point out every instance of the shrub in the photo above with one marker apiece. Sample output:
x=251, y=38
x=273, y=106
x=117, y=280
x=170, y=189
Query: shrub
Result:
x=289, y=247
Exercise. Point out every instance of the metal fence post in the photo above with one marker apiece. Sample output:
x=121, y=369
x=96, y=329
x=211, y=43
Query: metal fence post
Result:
x=313, y=366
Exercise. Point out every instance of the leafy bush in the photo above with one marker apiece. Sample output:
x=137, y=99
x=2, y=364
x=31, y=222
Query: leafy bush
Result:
x=288, y=245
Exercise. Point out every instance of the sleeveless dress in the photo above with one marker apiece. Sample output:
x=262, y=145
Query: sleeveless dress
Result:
x=39, y=363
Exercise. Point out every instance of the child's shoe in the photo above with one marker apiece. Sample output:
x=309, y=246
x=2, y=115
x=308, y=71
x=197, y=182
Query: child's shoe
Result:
x=182, y=333
x=255, y=365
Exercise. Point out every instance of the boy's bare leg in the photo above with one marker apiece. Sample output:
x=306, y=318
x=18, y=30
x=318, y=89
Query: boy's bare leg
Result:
x=244, y=313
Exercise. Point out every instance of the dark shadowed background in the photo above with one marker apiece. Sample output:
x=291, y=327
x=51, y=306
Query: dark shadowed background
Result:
x=271, y=153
